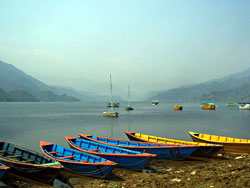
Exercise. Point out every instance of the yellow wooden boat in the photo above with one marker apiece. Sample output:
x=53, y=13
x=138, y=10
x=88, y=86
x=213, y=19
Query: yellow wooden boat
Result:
x=178, y=107
x=110, y=114
x=204, y=150
x=234, y=145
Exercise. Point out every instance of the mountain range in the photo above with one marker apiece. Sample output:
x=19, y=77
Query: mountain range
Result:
x=234, y=87
x=16, y=85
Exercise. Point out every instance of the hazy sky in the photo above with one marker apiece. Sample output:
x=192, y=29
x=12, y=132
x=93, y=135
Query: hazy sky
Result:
x=149, y=44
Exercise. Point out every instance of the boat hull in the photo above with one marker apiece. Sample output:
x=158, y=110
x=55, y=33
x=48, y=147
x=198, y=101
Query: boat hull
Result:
x=209, y=107
x=204, y=150
x=110, y=114
x=27, y=163
x=178, y=107
x=129, y=108
x=163, y=151
x=232, y=147
x=3, y=170
x=78, y=162
x=124, y=158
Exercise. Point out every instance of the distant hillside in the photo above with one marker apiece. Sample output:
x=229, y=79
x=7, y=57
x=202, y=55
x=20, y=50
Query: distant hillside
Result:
x=16, y=96
x=205, y=91
x=13, y=79
x=238, y=94
x=18, y=86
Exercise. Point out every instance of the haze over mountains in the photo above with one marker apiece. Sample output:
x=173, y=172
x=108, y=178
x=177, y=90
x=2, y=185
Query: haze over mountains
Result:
x=18, y=86
x=15, y=85
x=235, y=87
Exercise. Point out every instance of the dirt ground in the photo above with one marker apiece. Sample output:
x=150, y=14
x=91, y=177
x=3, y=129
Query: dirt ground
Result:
x=230, y=170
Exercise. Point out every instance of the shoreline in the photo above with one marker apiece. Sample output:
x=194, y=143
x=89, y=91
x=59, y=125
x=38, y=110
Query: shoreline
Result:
x=230, y=170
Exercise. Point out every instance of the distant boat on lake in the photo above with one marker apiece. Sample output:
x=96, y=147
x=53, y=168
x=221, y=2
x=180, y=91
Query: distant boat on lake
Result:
x=155, y=102
x=209, y=106
x=115, y=105
x=128, y=108
x=111, y=113
x=178, y=107
x=231, y=104
x=245, y=107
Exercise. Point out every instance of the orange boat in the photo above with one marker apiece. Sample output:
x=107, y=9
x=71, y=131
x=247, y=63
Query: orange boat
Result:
x=178, y=107
x=208, y=107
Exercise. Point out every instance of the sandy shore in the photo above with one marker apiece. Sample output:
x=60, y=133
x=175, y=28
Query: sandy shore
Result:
x=231, y=170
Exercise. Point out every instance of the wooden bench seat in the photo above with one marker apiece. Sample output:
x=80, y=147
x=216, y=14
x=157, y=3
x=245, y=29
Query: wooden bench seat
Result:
x=67, y=157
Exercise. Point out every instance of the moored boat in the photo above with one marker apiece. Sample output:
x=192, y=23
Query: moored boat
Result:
x=231, y=104
x=163, y=151
x=129, y=108
x=178, y=107
x=123, y=157
x=234, y=145
x=204, y=150
x=115, y=105
x=78, y=162
x=245, y=107
x=111, y=113
x=3, y=170
x=28, y=163
x=209, y=106
x=155, y=102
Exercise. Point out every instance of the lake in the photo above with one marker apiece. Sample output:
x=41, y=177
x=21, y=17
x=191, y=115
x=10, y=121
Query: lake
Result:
x=26, y=124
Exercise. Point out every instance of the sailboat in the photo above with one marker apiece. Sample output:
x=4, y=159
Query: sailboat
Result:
x=111, y=113
x=129, y=107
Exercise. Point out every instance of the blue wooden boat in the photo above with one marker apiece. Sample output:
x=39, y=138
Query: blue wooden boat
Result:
x=125, y=158
x=78, y=162
x=28, y=163
x=3, y=170
x=173, y=152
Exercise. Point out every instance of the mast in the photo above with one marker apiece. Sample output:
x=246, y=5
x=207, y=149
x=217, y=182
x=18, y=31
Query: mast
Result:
x=111, y=98
x=128, y=95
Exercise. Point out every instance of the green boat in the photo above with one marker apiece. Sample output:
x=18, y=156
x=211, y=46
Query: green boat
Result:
x=231, y=104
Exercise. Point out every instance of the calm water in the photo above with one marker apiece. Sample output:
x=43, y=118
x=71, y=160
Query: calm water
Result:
x=26, y=124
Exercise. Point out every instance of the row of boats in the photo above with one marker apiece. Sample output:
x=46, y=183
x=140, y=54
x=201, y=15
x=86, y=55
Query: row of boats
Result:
x=98, y=156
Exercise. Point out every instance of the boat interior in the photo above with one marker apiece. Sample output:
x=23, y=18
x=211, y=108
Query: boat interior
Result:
x=221, y=138
x=126, y=143
x=100, y=148
x=15, y=153
x=68, y=154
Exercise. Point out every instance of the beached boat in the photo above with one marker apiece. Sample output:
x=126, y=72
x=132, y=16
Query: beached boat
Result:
x=111, y=113
x=245, y=107
x=124, y=158
x=209, y=106
x=155, y=102
x=234, y=145
x=78, y=162
x=163, y=151
x=178, y=107
x=3, y=170
x=128, y=108
x=28, y=163
x=204, y=150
